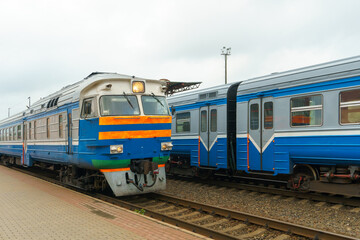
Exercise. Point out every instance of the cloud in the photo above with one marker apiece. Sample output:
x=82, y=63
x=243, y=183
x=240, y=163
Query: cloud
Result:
x=46, y=45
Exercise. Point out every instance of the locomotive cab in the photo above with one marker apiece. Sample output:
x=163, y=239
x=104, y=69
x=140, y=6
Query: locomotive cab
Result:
x=125, y=129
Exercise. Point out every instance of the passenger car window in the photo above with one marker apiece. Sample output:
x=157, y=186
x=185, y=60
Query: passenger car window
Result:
x=254, y=116
x=19, y=132
x=61, y=133
x=183, y=122
x=203, y=121
x=48, y=128
x=306, y=111
x=213, y=120
x=34, y=129
x=268, y=115
x=350, y=107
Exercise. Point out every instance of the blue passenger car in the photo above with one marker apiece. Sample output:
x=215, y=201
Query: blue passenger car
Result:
x=301, y=124
x=106, y=129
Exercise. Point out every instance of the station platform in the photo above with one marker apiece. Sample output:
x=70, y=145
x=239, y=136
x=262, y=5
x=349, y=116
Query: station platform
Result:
x=31, y=208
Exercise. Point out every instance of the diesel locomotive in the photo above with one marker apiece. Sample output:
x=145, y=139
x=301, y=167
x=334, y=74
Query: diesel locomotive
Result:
x=105, y=130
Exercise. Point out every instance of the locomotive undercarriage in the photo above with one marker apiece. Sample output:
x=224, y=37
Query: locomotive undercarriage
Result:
x=89, y=180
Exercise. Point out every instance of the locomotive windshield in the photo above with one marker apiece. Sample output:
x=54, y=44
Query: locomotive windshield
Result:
x=119, y=105
x=154, y=105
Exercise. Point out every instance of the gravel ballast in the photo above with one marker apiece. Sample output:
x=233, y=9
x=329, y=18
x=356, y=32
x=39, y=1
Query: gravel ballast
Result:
x=303, y=212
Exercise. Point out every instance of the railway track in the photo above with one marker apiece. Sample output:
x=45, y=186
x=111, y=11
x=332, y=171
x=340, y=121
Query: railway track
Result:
x=207, y=220
x=272, y=189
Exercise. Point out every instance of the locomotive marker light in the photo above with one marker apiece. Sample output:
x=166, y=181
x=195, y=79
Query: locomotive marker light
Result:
x=138, y=87
x=116, y=149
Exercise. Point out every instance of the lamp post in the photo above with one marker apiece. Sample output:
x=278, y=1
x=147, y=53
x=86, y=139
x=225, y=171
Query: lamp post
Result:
x=225, y=51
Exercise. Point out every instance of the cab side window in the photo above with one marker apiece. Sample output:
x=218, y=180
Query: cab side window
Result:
x=88, y=108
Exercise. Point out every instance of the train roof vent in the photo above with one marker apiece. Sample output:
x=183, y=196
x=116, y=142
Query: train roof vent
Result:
x=52, y=103
x=207, y=95
x=212, y=94
x=56, y=101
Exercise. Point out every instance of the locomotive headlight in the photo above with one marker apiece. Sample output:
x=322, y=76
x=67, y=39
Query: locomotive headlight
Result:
x=138, y=87
x=166, y=146
x=116, y=149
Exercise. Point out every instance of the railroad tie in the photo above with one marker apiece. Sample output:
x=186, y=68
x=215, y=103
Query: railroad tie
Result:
x=265, y=195
x=178, y=211
x=290, y=199
x=165, y=209
x=337, y=206
x=144, y=201
x=304, y=201
x=237, y=227
x=282, y=237
x=215, y=223
x=243, y=192
x=355, y=210
x=158, y=205
x=320, y=204
x=252, y=234
x=200, y=219
x=188, y=215
x=276, y=197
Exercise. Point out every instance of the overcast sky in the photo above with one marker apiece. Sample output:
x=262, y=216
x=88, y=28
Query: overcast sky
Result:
x=45, y=45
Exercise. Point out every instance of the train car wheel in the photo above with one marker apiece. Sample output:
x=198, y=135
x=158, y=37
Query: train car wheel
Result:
x=303, y=175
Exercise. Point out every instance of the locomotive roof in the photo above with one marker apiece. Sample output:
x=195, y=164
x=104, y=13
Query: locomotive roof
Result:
x=67, y=94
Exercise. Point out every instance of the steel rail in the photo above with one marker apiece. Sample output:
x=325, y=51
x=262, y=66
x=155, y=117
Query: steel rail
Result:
x=164, y=218
x=257, y=220
x=353, y=202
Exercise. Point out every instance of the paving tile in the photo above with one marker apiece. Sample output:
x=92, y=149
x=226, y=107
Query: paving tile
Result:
x=31, y=208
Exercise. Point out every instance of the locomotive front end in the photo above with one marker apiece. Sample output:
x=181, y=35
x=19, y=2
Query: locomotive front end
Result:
x=129, y=141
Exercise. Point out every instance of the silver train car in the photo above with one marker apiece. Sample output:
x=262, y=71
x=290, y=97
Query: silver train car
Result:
x=105, y=130
x=300, y=125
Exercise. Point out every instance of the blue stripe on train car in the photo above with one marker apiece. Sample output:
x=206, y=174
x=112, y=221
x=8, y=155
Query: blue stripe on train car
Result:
x=322, y=86
x=11, y=149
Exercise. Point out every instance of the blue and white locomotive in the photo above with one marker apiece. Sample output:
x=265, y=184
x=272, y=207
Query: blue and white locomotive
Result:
x=301, y=125
x=106, y=129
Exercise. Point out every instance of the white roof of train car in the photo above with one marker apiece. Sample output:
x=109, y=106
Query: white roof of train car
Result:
x=67, y=94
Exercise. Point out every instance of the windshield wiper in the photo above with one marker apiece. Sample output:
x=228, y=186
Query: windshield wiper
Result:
x=128, y=100
x=153, y=95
